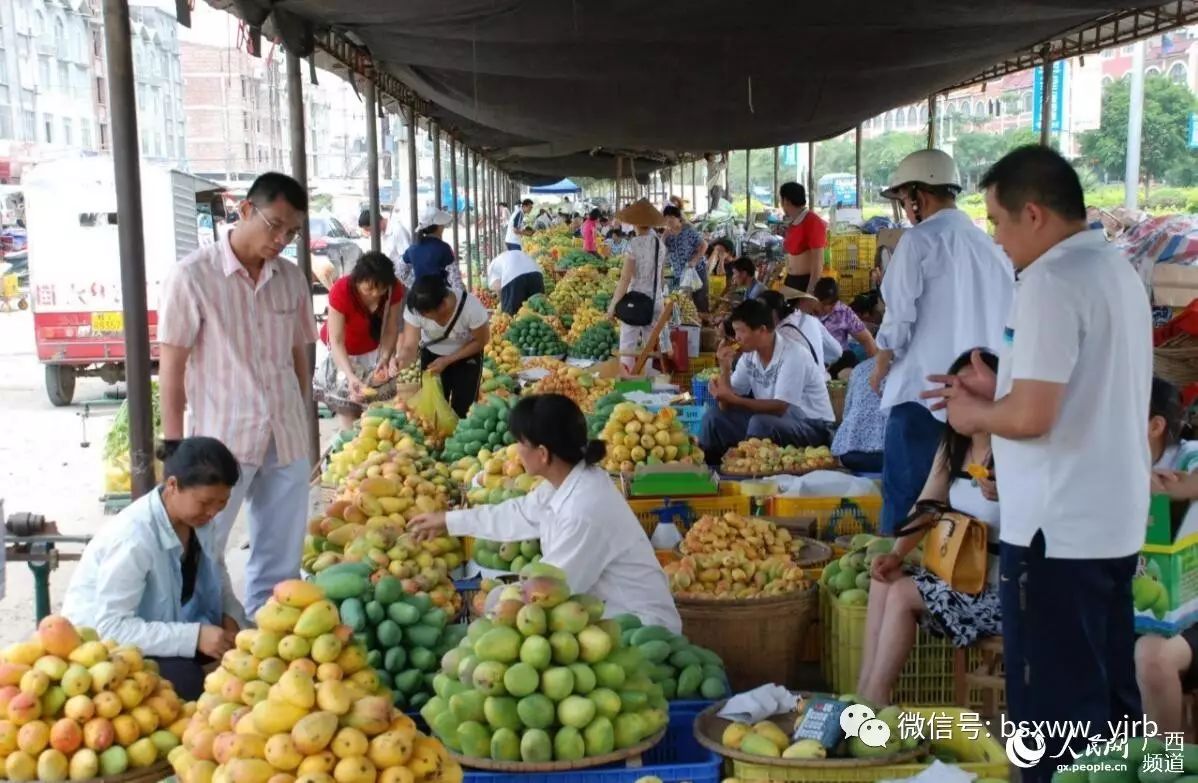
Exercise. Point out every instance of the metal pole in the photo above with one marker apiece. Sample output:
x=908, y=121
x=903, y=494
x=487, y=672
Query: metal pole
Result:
x=858, y=166
x=299, y=171
x=372, y=162
x=932, y=121
x=1046, y=102
x=774, y=191
x=748, y=193
x=1135, y=120
x=413, y=209
x=810, y=172
x=127, y=171
x=466, y=196
x=434, y=131
x=453, y=191
x=695, y=184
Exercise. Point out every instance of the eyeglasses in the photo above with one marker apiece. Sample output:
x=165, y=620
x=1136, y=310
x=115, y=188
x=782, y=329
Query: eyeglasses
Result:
x=275, y=228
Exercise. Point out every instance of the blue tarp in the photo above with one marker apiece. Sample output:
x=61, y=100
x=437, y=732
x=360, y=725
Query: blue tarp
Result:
x=565, y=186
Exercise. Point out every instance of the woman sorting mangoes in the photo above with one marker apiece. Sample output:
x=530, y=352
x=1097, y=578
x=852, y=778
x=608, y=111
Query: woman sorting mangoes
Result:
x=153, y=578
x=583, y=522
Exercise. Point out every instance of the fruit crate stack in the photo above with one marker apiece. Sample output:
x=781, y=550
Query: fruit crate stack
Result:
x=833, y=516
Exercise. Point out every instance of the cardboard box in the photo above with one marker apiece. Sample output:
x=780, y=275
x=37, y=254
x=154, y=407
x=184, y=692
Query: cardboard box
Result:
x=1165, y=588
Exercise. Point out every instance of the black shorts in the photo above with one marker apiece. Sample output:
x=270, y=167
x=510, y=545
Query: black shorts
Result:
x=1189, y=678
x=798, y=282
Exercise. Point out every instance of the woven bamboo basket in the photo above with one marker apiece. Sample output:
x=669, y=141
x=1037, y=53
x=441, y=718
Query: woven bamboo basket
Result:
x=151, y=774
x=1176, y=360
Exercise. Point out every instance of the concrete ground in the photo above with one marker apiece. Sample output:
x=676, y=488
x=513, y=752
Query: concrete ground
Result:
x=51, y=462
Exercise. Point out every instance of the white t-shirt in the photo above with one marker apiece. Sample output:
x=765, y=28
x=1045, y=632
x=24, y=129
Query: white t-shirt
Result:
x=1183, y=458
x=515, y=224
x=473, y=316
x=792, y=376
x=827, y=349
x=1081, y=318
x=509, y=265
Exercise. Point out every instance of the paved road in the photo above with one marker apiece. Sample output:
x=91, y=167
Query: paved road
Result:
x=46, y=468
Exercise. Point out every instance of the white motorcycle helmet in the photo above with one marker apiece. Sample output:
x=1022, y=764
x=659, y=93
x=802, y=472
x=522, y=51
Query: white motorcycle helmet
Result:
x=926, y=167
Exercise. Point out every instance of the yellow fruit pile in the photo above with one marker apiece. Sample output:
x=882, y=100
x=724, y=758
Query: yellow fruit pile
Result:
x=572, y=382
x=502, y=476
x=684, y=304
x=636, y=436
x=505, y=355
x=500, y=321
x=760, y=457
x=550, y=363
x=577, y=288
x=735, y=557
x=74, y=708
x=584, y=318
x=296, y=700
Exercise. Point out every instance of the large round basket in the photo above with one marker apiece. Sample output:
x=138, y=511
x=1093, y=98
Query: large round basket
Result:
x=810, y=553
x=630, y=755
x=709, y=728
x=758, y=639
x=1176, y=359
x=152, y=774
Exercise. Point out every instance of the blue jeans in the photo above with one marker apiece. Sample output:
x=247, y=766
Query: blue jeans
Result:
x=723, y=429
x=1068, y=645
x=913, y=435
x=862, y=461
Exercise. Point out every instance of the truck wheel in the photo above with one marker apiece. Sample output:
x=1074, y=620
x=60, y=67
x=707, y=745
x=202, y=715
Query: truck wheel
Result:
x=60, y=384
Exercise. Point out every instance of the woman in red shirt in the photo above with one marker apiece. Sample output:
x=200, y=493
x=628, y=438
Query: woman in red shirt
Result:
x=361, y=334
x=589, y=227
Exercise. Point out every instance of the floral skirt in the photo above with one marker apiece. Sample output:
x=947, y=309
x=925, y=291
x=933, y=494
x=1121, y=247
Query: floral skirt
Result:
x=959, y=617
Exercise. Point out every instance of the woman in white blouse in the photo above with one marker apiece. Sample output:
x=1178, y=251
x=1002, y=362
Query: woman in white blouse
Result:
x=585, y=526
x=645, y=260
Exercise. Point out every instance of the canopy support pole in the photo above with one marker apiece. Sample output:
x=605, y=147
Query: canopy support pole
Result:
x=1135, y=128
x=434, y=131
x=774, y=178
x=748, y=193
x=413, y=208
x=127, y=171
x=619, y=178
x=1046, y=102
x=932, y=121
x=695, y=186
x=372, y=162
x=489, y=189
x=299, y=171
x=453, y=192
x=466, y=191
x=857, y=150
x=811, y=173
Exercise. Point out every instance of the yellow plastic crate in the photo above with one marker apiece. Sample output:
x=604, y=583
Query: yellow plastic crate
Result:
x=978, y=752
x=646, y=508
x=852, y=252
x=833, y=516
x=926, y=679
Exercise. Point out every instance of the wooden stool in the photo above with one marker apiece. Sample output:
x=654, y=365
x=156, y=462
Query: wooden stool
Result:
x=987, y=676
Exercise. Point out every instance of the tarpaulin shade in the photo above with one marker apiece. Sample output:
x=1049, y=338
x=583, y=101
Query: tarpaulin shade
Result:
x=564, y=187
x=543, y=84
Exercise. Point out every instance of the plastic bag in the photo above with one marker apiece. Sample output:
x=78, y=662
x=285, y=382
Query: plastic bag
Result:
x=430, y=404
x=690, y=280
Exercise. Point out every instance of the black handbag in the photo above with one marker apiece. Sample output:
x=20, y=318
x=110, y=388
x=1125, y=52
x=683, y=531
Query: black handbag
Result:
x=636, y=308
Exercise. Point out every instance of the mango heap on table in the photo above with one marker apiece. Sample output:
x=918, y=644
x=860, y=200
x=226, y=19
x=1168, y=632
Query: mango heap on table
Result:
x=297, y=701
x=848, y=577
x=500, y=322
x=762, y=457
x=72, y=707
x=544, y=678
x=586, y=317
x=535, y=336
x=485, y=427
x=735, y=557
x=381, y=430
x=575, y=293
x=580, y=385
x=768, y=739
x=636, y=436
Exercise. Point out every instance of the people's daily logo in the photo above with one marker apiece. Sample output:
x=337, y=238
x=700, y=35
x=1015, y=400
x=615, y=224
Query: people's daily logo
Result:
x=859, y=721
x=1025, y=748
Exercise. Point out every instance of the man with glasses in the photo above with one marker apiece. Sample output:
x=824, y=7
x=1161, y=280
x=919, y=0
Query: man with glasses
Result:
x=947, y=289
x=234, y=326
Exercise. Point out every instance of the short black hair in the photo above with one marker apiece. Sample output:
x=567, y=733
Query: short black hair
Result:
x=272, y=186
x=777, y=304
x=595, y=214
x=1036, y=174
x=794, y=193
x=826, y=290
x=1165, y=401
x=526, y=202
x=671, y=211
x=557, y=423
x=723, y=242
x=374, y=267
x=746, y=265
x=427, y=294
x=201, y=462
x=867, y=303
x=754, y=314
x=364, y=219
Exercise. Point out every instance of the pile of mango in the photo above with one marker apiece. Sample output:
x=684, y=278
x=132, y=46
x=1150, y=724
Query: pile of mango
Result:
x=382, y=429
x=768, y=739
x=735, y=557
x=585, y=317
x=575, y=292
x=485, y=427
x=509, y=556
x=496, y=381
x=603, y=407
x=848, y=578
x=297, y=698
x=544, y=678
x=500, y=323
x=494, y=477
x=77, y=708
x=580, y=385
x=683, y=670
x=761, y=457
x=636, y=436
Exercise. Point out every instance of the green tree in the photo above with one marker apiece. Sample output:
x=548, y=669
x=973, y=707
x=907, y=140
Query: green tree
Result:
x=977, y=152
x=1163, y=149
x=881, y=156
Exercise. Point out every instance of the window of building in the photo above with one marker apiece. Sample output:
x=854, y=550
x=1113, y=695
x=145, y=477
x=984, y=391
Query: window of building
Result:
x=39, y=24
x=247, y=153
x=97, y=42
x=979, y=109
x=60, y=35
x=1027, y=101
x=23, y=48
x=103, y=135
x=45, y=79
x=1177, y=73
x=28, y=125
x=1152, y=71
x=912, y=117
x=48, y=124
x=101, y=92
x=85, y=134
x=6, y=122
x=68, y=136
x=64, y=77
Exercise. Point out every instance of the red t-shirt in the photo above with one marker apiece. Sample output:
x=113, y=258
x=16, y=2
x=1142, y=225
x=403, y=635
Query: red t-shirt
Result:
x=344, y=299
x=809, y=233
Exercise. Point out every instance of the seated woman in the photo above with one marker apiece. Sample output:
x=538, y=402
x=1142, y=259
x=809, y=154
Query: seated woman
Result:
x=585, y=525
x=1165, y=667
x=859, y=439
x=901, y=601
x=359, y=337
x=153, y=578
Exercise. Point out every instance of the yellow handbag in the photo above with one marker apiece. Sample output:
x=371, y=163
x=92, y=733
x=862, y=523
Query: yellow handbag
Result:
x=956, y=545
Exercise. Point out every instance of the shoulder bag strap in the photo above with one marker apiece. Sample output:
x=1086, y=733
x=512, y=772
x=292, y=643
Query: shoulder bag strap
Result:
x=452, y=322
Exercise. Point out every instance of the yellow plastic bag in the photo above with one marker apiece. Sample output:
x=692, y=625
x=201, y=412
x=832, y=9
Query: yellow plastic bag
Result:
x=430, y=404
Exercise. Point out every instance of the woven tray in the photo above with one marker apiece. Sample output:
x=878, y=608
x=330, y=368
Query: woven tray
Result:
x=709, y=727
x=630, y=755
x=160, y=770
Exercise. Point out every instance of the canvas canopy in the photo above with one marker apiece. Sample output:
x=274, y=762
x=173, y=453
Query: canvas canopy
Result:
x=564, y=187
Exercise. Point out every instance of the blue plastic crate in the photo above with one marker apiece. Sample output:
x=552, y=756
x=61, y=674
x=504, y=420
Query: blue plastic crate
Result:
x=700, y=391
x=692, y=417
x=677, y=758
